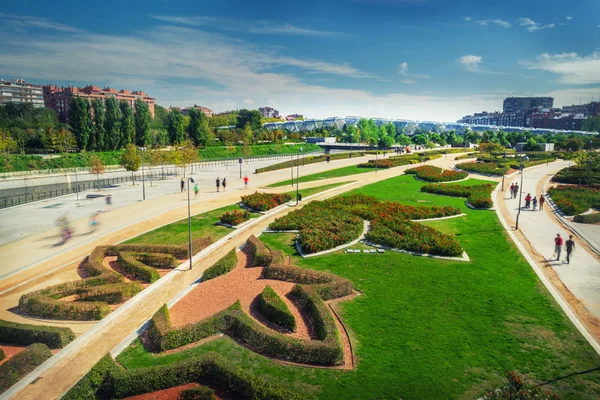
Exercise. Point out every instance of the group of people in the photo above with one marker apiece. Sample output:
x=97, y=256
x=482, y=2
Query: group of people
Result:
x=219, y=183
x=569, y=246
x=529, y=201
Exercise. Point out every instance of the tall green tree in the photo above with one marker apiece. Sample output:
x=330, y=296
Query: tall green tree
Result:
x=127, y=124
x=161, y=117
x=80, y=121
x=176, y=128
x=198, y=128
x=142, y=123
x=592, y=124
x=131, y=160
x=112, y=124
x=98, y=121
x=251, y=117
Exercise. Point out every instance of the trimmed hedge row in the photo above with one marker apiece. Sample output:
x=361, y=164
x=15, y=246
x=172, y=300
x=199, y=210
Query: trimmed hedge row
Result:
x=308, y=160
x=436, y=174
x=490, y=168
x=221, y=267
x=587, y=218
x=261, y=256
x=197, y=393
x=14, y=369
x=274, y=309
x=396, y=161
x=137, y=269
x=578, y=175
x=25, y=334
x=265, y=201
x=94, y=381
x=479, y=196
x=532, y=163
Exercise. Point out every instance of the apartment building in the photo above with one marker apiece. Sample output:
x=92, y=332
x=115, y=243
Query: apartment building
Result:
x=18, y=91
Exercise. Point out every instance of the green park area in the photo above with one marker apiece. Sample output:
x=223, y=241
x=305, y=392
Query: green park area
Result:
x=333, y=173
x=426, y=328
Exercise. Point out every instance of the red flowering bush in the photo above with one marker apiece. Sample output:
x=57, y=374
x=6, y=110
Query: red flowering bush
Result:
x=436, y=174
x=488, y=168
x=518, y=389
x=234, y=217
x=479, y=196
x=575, y=199
x=265, y=201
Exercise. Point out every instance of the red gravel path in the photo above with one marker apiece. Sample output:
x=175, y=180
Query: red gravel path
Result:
x=166, y=394
x=244, y=284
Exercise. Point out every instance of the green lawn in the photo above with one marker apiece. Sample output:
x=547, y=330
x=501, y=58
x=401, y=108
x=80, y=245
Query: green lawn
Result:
x=317, y=189
x=334, y=173
x=432, y=329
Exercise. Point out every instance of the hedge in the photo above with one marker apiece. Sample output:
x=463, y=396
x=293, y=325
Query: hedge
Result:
x=234, y=217
x=128, y=262
x=436, y=174
x=587, y=218
x=93, y=382
x=479, y=196
x=578, y=175
x=197, y=393
x=575, y=199
x=14, y=369
x=221, y=267
x=261, y=256
x=308, y=160
x=491, y=168
x=2, y=355
x=531, y=163
x=24, y=334
x=274, y=309
x=265, y=201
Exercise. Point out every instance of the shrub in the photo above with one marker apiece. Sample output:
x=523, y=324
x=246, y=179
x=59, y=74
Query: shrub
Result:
x=479, y=196
x=436, y=174
x=221, y=267
x=128, y=262
x=308, y=160
x=93, y=381
x=490, y=168
x=261, y=256
x=234, y=217
x=578, y=175
x=531, y=163
x=41, y=305
x=197, y=393
x=21, y=364
x=518, y=389
x=588, y=218
x=265, y=201
x=273, y=308
x=575, y=199
x=2, y=355
x=24, y=334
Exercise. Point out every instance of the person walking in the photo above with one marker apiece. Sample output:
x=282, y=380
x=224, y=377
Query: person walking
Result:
x=512, y=190
x=195, y=191
x=94, y=223
x=558, y=242
x=570, y=245
x=246, y=182
x=542, y=201
x=224, y=183
x=516, y=190
x=527, y=201
x=534, y=202
x=182, y=184
x=108, y=202
x=218, y=183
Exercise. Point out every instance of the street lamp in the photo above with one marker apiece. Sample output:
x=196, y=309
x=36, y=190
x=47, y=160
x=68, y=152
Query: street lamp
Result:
x=190, y=179
x=292, y=168
x=521, y=191
x=143, y=178
x=589, y=163
x=297, y=176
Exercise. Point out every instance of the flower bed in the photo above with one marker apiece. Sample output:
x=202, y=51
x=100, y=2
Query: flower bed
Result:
x=489, y=168
x=479, y=196
x=265, y=201
x=575, y=199
x=234, y=217
x=578, y=175
x=436, y=174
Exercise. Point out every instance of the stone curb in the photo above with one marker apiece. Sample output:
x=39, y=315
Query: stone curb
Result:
x=439, y=219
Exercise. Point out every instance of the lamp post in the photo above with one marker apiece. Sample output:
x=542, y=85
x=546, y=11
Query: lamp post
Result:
x=505, y=172
x=190, y=179
x=520, y=191
x=589, y=163
x=143, y=178
x=298, y=177
x=292, y=168
x=376, y=153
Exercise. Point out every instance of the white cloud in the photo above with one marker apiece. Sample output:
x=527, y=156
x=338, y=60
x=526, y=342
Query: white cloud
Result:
x=235, y=25
x=408, y=81
x=572, y=68
x=568, y=17
x=249, y=101
x=22, y=22
x=403, y=70
x=471, y=63
x=502, y=23
x=533, y=26
x=482, y=22
x=467, y=18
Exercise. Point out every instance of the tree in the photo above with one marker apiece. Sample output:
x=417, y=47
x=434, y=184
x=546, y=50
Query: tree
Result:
x=573, y=144
x=161, y=117
x=60, y=140
x=96, y=167
x=127, y=124
x=142, y=123
x=131, y=160
x=490, y=147
x=80, y=121
x=175, y=127
x=532, y=145
x=99, y=112
x=19, y=136
x=403, y=140
x=198, y=128
x=592, y=124
x=251, y=117
x=7, y=143
x=160, y=157
x=420, y=139
x=112, y=124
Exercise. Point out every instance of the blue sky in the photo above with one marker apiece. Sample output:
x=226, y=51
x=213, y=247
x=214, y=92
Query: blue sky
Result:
x=415, y=59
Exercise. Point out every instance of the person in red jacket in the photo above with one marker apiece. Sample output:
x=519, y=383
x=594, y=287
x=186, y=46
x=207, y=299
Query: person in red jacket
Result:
x=558, y=242
x=527, y=201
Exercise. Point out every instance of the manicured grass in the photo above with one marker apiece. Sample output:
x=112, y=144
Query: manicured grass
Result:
x=317, y=189
x=432, y=329
x=334, y=173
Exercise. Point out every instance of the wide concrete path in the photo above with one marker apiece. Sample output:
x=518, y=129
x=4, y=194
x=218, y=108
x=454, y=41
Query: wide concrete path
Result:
x=582, y=276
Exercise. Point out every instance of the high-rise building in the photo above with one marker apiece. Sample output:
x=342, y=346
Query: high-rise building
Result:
x=523, y=104
x=268, y=112
x=58, y=98
x=18, y=91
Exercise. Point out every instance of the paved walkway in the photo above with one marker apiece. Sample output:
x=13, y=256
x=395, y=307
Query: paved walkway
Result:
x=582, y=276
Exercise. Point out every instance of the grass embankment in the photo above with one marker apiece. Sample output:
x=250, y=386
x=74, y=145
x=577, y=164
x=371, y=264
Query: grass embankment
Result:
x=334, y=173
x=17, y=162
x=431, y=329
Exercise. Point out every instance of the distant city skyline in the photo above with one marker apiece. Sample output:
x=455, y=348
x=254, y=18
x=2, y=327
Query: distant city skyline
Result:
x=413, y=59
